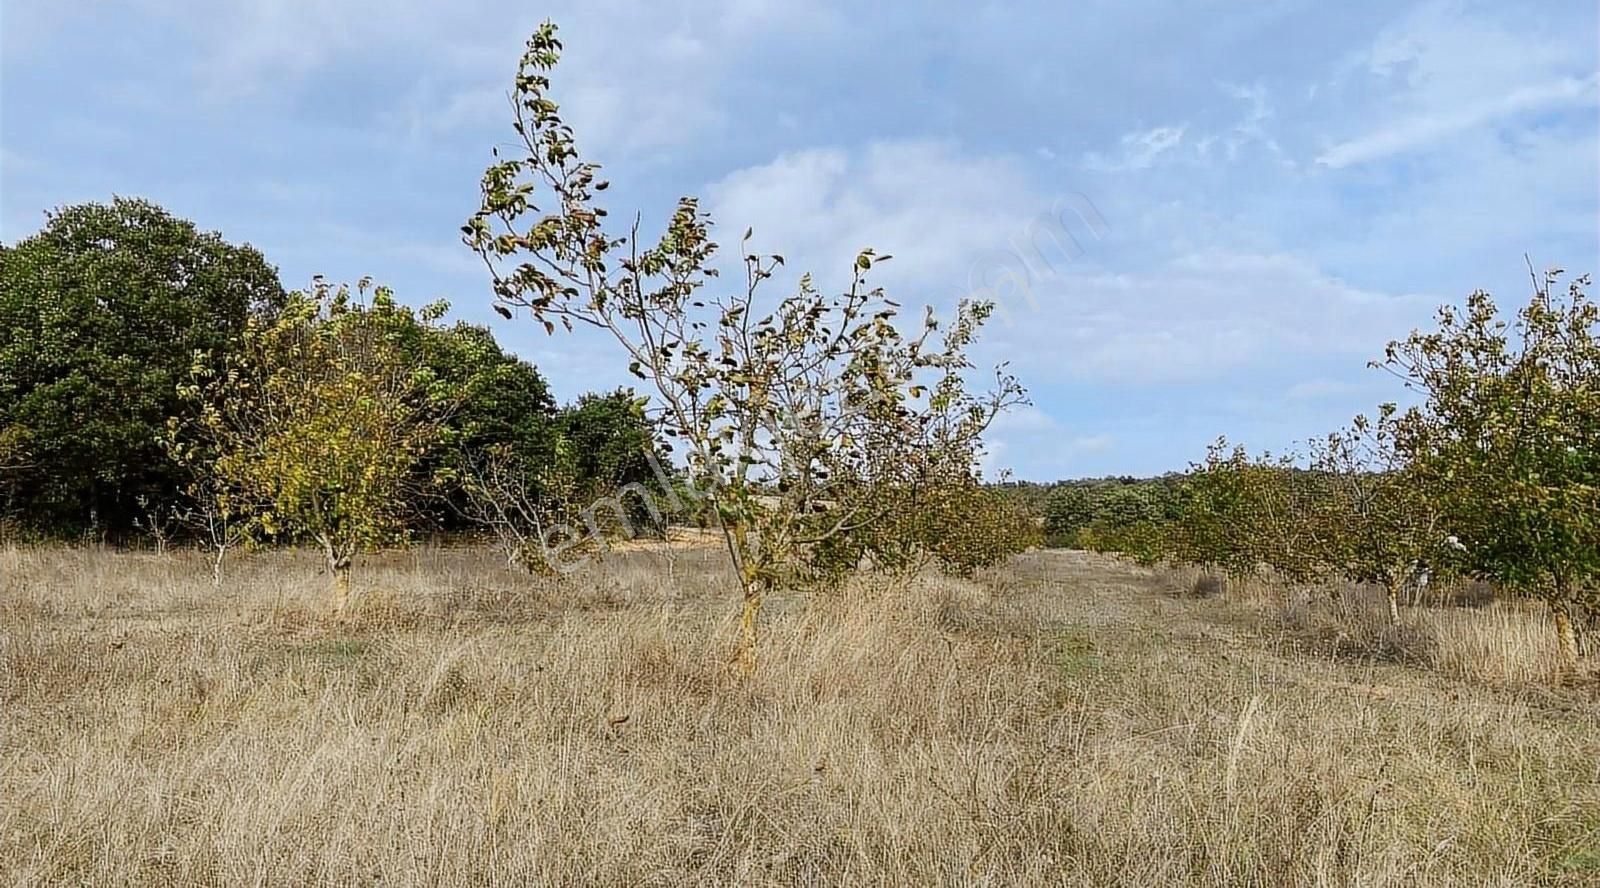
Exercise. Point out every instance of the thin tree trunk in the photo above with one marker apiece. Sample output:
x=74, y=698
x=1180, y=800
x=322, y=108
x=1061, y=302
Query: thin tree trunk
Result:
x=341, y=586
x=1393, y=590
x=340, y=573
x=749, y=627
x=1566, y=639
x=753, y=585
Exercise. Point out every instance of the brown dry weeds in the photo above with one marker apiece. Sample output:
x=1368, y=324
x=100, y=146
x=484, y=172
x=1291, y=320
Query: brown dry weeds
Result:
x=1066, y=720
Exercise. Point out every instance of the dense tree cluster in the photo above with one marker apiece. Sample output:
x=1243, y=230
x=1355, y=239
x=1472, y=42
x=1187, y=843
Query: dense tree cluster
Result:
x=134, y=348
x=101, y=314
x=1107, y=513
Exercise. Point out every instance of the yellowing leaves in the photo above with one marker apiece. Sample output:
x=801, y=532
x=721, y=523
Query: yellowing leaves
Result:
x=323, y=421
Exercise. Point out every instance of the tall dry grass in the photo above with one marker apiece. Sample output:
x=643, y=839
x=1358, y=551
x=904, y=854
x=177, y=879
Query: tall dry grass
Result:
x=1508, y=644
x=1061, y=721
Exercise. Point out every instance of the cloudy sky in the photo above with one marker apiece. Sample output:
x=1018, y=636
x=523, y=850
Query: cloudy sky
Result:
x=1201, y=217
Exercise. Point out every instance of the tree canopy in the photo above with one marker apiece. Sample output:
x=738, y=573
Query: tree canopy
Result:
x=111, y=309
x=101, y=314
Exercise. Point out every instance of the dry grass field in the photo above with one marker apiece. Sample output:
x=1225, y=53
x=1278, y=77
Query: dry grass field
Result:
x=1066, y=720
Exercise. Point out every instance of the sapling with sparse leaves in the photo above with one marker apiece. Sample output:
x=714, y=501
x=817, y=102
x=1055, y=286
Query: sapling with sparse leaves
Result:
x=796, y=416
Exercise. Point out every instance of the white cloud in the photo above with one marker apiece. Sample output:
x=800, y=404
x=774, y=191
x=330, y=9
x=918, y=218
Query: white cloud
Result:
x=1140, y=150
x=634, y=77
x=1198, y=143
x=1427, y=129
x=1205, y=313
x=1042, y=440
x=1251, y=130
x=932, y=207
x=1205, y=316
x=1445, y=69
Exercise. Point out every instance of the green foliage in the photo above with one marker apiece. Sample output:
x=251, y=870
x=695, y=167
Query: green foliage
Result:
x=956, y=523
x=101, y=313
x=500, y=404
x=1121, y=515
x=1382, y=520
x=1030, y=496
x=314, y=430
x=1508, y=438
x=1145, y=541
x=611, y=443
x=1068, y=511
x=101, y=316
x=972, y=526
x=1286, y=519
x=551, y=504
x=1230, y=512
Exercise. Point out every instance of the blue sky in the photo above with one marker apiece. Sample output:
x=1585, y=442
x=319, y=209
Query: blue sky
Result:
x=1284, y=186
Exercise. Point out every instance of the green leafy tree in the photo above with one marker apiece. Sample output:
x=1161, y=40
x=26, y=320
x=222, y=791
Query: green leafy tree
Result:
x=316, y=428
x=1236, y=513
x=1381, y=520
x=1069, y=510
x=101, y=313
x=1215, y=528
x=969, y=526
x=14, y=460
x=793, y=419
x=1508, y=436
x=1285, y=508
x=953, y=522
x=611, y=444
x=501, y=404
x=1131, y=519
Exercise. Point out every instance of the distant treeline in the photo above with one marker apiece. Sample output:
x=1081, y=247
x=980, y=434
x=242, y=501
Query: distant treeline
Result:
x=111, y=309
x=1493, y=476
x=1096, y=513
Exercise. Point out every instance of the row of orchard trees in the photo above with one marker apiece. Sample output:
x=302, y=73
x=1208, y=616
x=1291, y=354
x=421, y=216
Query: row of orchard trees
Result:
x=1494, y=473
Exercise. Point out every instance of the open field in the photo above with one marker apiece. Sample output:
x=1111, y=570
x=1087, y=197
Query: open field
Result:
x=1066, y=720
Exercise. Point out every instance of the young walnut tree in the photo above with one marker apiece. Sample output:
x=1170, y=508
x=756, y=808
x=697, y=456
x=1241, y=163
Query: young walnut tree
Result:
x=797, y=417
x=1282, y=519
x=1508, y=436
x=1383, y=524
x=1220, y=516
x=315, y=430
x=525, y=506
